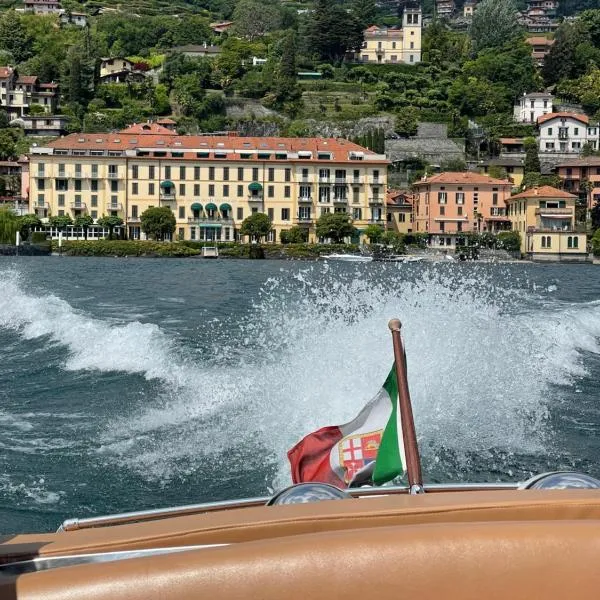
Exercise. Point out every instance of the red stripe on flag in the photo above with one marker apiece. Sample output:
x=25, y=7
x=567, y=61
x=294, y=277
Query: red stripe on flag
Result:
x=309, y=458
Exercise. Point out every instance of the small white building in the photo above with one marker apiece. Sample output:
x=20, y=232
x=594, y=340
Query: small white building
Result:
x=43, y=7
x=566, y=133
x=533, y=106
x=73, y=18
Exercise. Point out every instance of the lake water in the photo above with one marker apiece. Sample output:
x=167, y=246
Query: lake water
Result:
x=138, y=383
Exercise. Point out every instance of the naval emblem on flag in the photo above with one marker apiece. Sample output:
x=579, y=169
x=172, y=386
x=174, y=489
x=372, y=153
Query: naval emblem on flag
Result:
x=357, y=451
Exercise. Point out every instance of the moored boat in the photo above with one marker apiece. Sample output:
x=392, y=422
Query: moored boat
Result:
x=348, y=257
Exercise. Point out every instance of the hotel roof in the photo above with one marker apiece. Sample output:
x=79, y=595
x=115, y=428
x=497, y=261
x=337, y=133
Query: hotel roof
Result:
x=463, y=177
x=302, y=149
x=545, y=191
x=590, y=161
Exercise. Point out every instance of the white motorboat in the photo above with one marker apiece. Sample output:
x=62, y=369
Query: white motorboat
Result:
x=348, y=257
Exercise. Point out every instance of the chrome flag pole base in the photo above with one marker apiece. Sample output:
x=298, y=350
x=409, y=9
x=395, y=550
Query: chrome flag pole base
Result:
x=416, y=489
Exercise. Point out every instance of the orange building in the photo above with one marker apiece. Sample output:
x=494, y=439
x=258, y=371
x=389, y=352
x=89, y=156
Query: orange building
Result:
x=576, y=173
x=452, y=203
x=399, y=211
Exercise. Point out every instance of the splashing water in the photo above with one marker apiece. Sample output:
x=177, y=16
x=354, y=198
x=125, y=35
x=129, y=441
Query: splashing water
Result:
x=485, y=356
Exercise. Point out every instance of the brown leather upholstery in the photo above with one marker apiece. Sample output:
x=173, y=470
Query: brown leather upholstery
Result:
x=279, y=521
x=467, y=561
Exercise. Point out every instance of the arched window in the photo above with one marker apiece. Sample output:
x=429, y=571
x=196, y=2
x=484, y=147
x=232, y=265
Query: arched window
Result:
x=543, y=241
x=548, y=242
x=576, y=241
x=570, y=242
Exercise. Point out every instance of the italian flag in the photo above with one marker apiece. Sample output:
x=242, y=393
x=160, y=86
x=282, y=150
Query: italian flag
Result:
x=368, y=449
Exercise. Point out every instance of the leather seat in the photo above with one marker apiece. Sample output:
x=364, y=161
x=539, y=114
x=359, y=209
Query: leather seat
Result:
x=553, y=559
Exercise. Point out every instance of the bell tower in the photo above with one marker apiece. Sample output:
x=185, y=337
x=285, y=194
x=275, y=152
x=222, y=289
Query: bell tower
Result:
x=412, y=28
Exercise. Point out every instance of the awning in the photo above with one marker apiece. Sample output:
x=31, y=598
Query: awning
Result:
x=166, y=184
x=211, y=225
x=196, y=206
x=211, y=206
x=255, y=187
x=225, y=206
x=555, y=216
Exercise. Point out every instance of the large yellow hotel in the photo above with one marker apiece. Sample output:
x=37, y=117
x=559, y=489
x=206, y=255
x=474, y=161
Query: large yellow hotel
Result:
x=212, y=183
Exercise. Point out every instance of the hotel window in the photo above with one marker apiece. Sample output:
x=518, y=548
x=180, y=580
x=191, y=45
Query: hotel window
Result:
x=576, y=131
x=114, y=200
x=240, y=173
x=475, y=198
x=196, y=189
x=357, y=214
x=94, y=200
x=61, y=213
x=285, y=214
x=211, y=173
x=151, y=172
x=355, y=194
x=225, y=173
x=255, y=174
x=41, y=169
x=376, y=176
x=226, y=191
x=288, y=175
x=167, y=172
x=61, y=199
x=94, y=214
x=40, y=184
x=61, y=170
x=150, y=189
x=412, y=58
x=271, y=191
x=442, y=197
x=182, y=173
x=196, y=174
x=393, y=45
x=270, y=214
x=304, y=212
x=113, y=170
x=134, y=172
x=182, y=212
x=78, y=185
x=412, y=45
x=192, y=233
x=460, y=197
x=287, y=192
x=459, y=211
x=495, y=198
x=114, y=186
x=442, y=210
x=134, y=211
x=549, y=130
x=324, y=194
x=182, y=189
x=271, y=174
x=240, y=213
x=77, y=199
x=77, y=170
x=211, y=190
x=62, y=185
x=134, y=189
x=240, y=191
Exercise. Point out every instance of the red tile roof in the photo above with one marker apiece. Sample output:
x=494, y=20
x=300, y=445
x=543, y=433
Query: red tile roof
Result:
x=540, y=41
x=49, y=85
x=191, y=144
x=566, y=115
x=6, y=72
x=27, y=79
x=147, y=129
x=511, y=140
x=464, y=177
x=545, y=191
x=166, y=122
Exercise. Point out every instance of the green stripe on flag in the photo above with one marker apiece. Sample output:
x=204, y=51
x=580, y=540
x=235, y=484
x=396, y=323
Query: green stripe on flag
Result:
x=389, y=462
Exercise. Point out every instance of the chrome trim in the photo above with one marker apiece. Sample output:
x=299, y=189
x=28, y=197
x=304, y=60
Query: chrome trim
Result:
x=54, y=562
x=190, y=509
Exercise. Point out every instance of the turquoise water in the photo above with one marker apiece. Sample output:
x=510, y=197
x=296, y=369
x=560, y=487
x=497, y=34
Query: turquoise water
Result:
x=131, y=383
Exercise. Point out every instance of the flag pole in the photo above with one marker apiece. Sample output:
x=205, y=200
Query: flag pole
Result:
x=411, y=448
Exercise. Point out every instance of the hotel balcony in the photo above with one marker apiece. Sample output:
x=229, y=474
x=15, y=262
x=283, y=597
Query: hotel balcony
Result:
x=208, y=221
x=340, y=200
x=376, y=201
x=79, y=206
x=566, y=212
x=304, y=219
x=376, y=182
x=80, y=175
x=114, y=206
x=256, y=197
x=134, y=220
x=41, y=206
x=167, y=196
x=341, y=181
x=377, y=221
x=326, y=180
x=306, y=180
x=113, y=175
x=306, y=199
x=357, y=180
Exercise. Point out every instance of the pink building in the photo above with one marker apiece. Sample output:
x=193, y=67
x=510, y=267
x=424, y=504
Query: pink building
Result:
x=451, y=203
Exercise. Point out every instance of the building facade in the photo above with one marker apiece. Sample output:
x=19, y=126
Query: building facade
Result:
x=445, y=8
x=19, y=92
x=385, y=45
x=545, y=219
x=453, y=203
x=399, y=209
x=42, y=7
x=211, y=183
x=531, y=107
x=540, y=48
x=566, y=133
x=582, y=177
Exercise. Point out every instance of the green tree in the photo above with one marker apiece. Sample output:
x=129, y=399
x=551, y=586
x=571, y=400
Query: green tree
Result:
x=61, y=222
x=27, y=223
x=294, y=235
x=112, y=221
x=335, y=226
x=188, y=93
x=374, y=233
x=9, y=225
x=495, y=22
x=8, y=139
x=407, y=122
x=394, y=240
x=256, y=226
x=532, y=159
x=158, y=222
x=364, y=11
x=254, y=19
x=509, y=240
x=14, y=37
x=83, y=221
